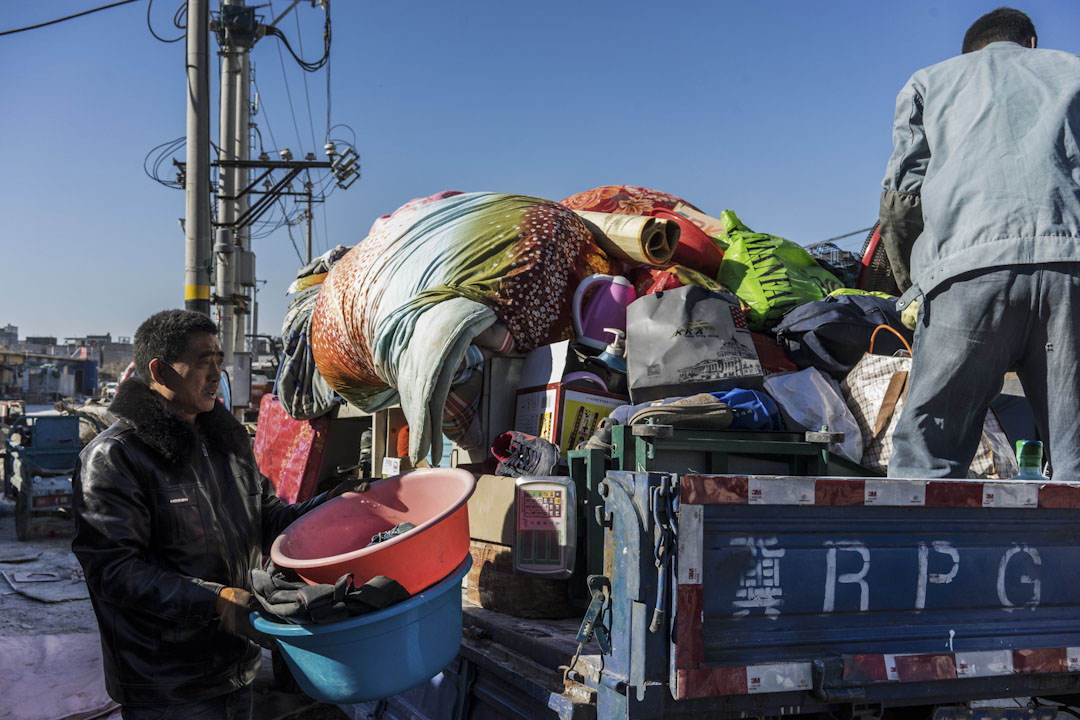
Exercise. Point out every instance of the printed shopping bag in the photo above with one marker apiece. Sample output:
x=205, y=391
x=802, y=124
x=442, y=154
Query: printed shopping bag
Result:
x=688, y=340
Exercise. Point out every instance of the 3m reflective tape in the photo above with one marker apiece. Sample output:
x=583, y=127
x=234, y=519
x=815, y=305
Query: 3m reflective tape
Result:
x=982, y=664
x=691, y=539
x=783, y=677
x=1010, y=495
x=781, y=491
x=895, y=493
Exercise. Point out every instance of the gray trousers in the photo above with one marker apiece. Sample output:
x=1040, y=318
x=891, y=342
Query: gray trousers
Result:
x=972, y=330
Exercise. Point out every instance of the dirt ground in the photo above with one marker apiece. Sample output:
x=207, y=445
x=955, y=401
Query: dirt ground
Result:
x=47, y=551
x=61, y=606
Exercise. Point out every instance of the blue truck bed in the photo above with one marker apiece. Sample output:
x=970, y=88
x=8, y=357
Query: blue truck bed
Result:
x=734, y=596
x=787, y=595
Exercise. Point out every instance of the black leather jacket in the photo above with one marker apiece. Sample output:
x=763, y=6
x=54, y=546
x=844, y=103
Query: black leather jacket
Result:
x=166, y=514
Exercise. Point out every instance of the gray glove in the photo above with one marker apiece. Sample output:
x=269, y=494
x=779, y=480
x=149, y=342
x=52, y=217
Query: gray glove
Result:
x=351, y=484
x=901, y=225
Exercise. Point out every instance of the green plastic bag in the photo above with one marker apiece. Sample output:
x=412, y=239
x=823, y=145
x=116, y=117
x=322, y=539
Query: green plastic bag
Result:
x=769, y=274
x=855, y=291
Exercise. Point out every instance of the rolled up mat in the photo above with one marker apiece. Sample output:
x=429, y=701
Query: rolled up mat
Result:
x=711, y=226
x=633, y=238
x=696, y=250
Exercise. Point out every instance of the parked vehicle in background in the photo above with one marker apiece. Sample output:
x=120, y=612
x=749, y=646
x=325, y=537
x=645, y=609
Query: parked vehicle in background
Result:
x=39, y=457
x=108, y=390
x=10, y=410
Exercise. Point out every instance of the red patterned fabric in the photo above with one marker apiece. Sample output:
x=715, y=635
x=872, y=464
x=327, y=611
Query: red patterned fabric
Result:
x=623, y=199
x=695, y=250
x=647, y=280
x=289, y=452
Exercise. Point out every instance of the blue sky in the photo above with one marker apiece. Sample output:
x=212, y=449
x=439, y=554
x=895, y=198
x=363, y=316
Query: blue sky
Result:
x=779, y=110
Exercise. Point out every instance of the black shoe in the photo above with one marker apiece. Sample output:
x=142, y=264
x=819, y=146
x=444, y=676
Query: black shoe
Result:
x=522, y=455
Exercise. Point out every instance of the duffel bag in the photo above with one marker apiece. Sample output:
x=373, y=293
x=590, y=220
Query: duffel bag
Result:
x=832, y=334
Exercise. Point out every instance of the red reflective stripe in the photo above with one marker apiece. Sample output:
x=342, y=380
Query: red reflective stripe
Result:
x=865, y=668
x=689, y=639
x=839, y=492
x=714, y=489
x=954, y=494
x=916, y=668
x=1045, y=660
x=1059, y=496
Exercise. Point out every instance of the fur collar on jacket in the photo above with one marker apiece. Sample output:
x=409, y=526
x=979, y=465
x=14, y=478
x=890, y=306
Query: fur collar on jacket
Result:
x=167, y=433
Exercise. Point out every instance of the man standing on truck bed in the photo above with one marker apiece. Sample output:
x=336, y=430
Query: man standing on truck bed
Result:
x=986, y=167
x=171, y=514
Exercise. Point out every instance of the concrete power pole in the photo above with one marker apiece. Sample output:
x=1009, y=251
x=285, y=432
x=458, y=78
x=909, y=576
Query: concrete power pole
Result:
x=197, y=183
x=231, y=247
x=308, y=216
x=224, y=248
x=242, y=237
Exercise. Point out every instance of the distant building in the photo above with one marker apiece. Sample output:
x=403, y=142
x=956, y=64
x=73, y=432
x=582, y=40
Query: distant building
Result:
x=44, y=369
x=9, y=336
x=112, y=357
x=47, y=380
x=41, y=344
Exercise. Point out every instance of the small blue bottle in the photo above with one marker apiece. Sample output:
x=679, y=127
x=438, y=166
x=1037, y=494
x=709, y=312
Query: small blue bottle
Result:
x=614, y=355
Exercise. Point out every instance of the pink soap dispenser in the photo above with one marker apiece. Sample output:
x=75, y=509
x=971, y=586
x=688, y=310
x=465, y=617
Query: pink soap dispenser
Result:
x=605, y=308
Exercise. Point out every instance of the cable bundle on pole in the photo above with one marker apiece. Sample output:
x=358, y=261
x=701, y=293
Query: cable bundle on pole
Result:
x=307, y=66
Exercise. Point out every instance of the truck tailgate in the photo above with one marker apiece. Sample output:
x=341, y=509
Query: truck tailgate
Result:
x=861, y=589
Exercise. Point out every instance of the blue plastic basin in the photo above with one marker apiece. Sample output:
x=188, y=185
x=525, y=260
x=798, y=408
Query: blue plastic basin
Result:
x=376, y=655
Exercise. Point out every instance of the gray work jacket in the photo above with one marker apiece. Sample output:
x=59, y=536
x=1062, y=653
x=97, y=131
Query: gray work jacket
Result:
x=990, y=142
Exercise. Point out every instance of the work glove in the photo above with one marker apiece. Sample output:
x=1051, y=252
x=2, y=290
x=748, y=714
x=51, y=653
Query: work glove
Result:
x=910, y=316
x=350, y=484
x=294, y=601
x=901, y=225
x=233, y=609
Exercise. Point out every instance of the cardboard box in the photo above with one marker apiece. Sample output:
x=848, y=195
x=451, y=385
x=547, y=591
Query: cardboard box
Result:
x=491, y=510
x=547, y=408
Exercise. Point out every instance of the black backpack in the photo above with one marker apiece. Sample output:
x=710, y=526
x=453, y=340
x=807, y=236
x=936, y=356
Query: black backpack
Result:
x=832, y=334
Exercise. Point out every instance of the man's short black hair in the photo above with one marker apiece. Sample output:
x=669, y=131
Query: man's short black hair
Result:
x=164, y=335
x=1001, y=24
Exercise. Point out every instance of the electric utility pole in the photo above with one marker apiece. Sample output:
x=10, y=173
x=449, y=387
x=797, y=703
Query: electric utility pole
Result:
x=308, y=216
x=234, y=263
x=240, y=204
x=197, y=184
x=242, y=235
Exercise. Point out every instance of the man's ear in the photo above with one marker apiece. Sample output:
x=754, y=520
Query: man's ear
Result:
x=158, y=370
x=1033, y=42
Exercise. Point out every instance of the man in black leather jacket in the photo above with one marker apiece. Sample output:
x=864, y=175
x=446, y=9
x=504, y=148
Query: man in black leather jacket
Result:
x=171, y=514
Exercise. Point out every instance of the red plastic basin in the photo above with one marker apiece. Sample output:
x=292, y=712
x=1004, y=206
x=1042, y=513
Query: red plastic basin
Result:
x=330, y=541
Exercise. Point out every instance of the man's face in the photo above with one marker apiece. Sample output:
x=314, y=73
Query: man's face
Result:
x=190, y=384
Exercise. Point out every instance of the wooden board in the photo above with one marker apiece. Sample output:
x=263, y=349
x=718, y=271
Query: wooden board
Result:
x=492, y=584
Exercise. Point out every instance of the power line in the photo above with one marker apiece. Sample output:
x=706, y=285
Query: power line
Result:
x=262, y=103
x=326, y=228
x=288, y=92
x=850, y=234
x=307, y=95
x=307, y=66
x=69, y=17
x=288, y=227
x=176, y=22
x=327, y=100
